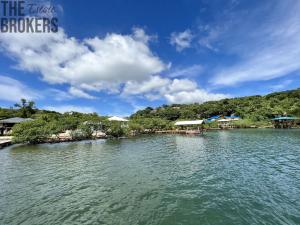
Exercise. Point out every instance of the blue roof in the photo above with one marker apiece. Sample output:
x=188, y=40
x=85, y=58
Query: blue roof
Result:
x=214, y=117
x=232, y=117
x=285, y=118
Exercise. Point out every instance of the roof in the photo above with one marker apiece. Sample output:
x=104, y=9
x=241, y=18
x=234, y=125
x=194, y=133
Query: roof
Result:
x=214, y=117
x=285, y=118
x=15, y=120
x=115, y=118
x=190, y=122
x=225, y=120
x=232, y=117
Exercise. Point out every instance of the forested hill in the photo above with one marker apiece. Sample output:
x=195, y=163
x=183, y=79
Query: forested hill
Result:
x=255, y=108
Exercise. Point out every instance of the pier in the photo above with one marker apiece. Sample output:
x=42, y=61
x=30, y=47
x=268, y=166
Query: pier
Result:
x=5, y=141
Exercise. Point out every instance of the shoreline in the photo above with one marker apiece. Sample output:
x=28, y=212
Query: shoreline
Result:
x=180, y=132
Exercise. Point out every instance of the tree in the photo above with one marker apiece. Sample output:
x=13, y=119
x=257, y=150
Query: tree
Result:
x=26, y=108
x=32, y=132
x=115, y=129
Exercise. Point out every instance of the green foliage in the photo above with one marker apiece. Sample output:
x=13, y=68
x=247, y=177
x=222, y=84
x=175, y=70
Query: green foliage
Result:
x=26, y=108
x=254, y=108
x=150, y=124
x=247, y=123
x=255, y=111
x=86, y=130
x=32, y=132
x=211, y=125
x=116, y=129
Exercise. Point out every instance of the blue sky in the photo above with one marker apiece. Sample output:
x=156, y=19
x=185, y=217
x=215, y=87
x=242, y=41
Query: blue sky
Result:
x=115, y=57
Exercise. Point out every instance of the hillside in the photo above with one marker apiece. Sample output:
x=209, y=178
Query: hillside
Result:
x=254, y=108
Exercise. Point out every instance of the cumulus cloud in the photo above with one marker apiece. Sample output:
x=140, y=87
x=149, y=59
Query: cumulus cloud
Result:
x=174, y=91
x=195, y=96
x=13, y=90
x=91, y=64
x=181, y=40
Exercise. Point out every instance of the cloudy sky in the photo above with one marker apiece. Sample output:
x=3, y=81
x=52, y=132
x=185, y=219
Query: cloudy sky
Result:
x=114, y=57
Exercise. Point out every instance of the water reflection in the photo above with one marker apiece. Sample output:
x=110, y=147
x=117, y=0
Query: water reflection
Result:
x=227, y=177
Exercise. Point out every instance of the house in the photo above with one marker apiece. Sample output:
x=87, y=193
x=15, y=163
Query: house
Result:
x=232, y=117
x=7, y=124
x=190, y=126
x=227, y=122
x=116, y=118
x=213, y=118
x=284, y=122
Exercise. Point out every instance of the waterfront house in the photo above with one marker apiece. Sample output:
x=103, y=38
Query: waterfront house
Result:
x=191, y=126
x=284, y=122
x=225, y=123
x=124, y=122
x=232, y=117
x=213, y=118
x=116, y=118
x=7, y=124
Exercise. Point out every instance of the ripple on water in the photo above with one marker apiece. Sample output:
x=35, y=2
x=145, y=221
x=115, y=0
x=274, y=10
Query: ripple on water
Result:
x=225, y=177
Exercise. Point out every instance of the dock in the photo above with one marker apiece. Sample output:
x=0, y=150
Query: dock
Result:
x=5, y=141
x=191, y=132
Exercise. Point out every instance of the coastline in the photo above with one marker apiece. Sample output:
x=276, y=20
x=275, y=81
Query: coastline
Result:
x=161, y=132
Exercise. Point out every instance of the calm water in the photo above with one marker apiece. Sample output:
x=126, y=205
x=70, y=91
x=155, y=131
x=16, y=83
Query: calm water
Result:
x=225, y=177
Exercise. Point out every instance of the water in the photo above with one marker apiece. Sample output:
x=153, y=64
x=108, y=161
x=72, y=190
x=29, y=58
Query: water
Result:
x=225, y=177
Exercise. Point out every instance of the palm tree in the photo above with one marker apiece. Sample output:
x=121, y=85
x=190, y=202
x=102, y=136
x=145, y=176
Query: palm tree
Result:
x=26, y=108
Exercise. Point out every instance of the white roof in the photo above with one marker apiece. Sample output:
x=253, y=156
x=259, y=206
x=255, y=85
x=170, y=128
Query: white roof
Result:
x=115, y=118
x=15, y=120
x=189, y=122
x=225, y=120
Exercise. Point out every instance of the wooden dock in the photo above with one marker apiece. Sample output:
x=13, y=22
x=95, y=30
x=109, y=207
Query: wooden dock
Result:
x=5, y=141
x=190, y=132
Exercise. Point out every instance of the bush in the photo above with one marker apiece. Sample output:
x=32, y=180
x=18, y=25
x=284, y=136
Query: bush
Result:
x=116, y=129
x=32, y=132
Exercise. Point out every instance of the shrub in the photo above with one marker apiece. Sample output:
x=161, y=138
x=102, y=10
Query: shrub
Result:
x=32, y=132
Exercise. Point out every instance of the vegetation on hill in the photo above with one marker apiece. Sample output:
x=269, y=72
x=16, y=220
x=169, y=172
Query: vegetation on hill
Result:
x=254, y=110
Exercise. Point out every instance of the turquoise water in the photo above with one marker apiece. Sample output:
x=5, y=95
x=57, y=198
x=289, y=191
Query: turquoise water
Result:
x=225, y=177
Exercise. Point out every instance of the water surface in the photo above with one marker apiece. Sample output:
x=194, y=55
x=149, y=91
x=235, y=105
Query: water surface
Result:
x=225, y=177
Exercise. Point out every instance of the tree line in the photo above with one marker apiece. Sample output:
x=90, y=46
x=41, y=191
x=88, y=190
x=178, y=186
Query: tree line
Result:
x=254, y=110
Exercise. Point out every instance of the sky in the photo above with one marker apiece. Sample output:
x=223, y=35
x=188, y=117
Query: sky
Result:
x=115, y=57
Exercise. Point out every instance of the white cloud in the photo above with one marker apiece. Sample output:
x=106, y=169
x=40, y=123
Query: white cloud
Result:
x=181, y=40
x=196, y=96
x=174, y=91
x=57, y=94
x=92, y=64
x=208, y=36
x=281, y=85
x=154, y=84
x=13, y=90
x=189, y=71
x=271, y=48
x=80, y=93
x=70, y=108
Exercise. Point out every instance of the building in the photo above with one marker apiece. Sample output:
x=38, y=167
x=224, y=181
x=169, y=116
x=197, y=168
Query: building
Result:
x=225, y=123
x=232, y=117
x=7, y=124
x=115, y=118
x=191, y=126
x=284, y=122
x=213, y=118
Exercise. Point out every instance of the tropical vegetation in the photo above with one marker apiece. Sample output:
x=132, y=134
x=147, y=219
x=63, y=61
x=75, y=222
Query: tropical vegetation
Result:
x=48, y=125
